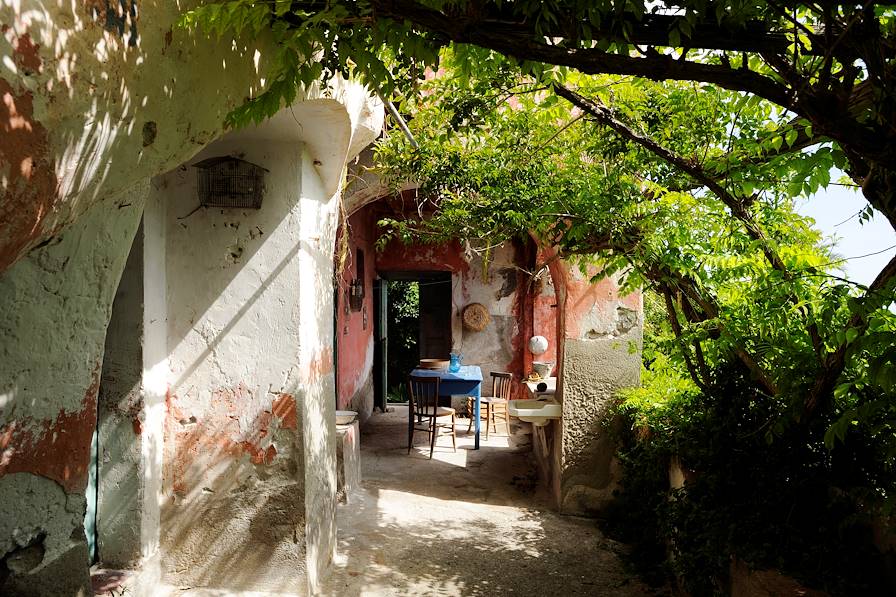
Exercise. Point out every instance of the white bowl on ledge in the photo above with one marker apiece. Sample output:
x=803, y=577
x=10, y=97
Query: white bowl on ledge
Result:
x=345, y=417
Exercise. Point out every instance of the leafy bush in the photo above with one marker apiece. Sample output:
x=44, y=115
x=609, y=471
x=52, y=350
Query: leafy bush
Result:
x=398, y=393
x=776, y=500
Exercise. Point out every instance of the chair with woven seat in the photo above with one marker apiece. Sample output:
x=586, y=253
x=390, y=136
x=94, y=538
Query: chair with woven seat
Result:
x=424, y=406
x=496, y=404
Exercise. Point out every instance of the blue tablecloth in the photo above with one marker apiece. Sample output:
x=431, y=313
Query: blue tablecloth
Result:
x=466, y=382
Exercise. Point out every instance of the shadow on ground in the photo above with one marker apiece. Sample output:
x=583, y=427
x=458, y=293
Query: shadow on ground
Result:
x=465, y=523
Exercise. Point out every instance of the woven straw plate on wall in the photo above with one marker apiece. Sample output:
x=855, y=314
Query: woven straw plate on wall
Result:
x=476, y=317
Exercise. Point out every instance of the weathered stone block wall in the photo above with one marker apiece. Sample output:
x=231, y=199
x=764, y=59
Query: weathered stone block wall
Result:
x=57, y=303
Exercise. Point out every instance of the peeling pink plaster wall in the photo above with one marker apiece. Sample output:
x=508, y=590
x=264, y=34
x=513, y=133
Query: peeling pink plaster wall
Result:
x=354, y=340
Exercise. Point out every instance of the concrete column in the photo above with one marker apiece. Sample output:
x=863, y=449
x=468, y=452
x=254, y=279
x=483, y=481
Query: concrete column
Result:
x=57, y=302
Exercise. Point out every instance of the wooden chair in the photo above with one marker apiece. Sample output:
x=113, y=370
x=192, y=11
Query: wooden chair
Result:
x=496, y=404
x=424, y=405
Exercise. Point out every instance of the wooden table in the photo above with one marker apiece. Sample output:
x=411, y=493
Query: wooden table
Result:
x=466, y=382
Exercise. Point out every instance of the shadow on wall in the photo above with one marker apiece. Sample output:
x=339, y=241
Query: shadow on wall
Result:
x=234, y=513
x=58, y=302
x=208, y=249
x=98, y=95
x=212, y=340
x=250, y=452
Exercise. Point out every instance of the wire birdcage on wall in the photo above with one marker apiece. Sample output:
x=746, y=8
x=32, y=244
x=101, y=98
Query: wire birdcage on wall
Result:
x=230, y=182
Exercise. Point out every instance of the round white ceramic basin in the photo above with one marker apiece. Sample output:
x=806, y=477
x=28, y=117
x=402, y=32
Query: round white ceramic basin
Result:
x=537, y=412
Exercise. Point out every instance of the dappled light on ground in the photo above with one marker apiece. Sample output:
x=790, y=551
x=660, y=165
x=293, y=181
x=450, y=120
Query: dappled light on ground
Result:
x=465, y=523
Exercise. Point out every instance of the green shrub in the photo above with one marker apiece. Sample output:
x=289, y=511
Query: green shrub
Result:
x=780, y=500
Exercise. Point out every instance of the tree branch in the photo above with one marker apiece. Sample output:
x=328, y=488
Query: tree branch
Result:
x=737, y=205
x=835, y=361
x=522, y=43
x=702, y=381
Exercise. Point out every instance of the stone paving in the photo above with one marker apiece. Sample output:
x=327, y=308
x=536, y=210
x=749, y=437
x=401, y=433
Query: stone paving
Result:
x=464, y=523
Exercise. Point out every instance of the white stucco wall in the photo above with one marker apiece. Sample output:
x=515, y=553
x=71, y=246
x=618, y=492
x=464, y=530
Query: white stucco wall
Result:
x=249, y=445
x=233, y=458
x=89, y=110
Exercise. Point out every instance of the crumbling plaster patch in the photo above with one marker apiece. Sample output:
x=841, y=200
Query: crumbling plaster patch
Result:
x=502, y=286
x=59, y=299
x=362, y=401
x=51, y=521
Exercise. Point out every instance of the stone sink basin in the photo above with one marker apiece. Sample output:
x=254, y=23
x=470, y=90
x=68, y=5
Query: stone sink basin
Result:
x=537, y=412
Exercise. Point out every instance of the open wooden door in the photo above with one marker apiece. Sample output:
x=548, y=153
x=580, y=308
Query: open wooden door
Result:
x=435, y=316
x=380, y=342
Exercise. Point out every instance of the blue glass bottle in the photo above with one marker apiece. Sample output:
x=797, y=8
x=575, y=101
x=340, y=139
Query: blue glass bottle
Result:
x=454, y=365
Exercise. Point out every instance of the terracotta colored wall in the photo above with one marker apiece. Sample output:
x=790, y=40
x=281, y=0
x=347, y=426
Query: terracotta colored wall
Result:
x=447, y=257
x=504, y=288
x=354, y=329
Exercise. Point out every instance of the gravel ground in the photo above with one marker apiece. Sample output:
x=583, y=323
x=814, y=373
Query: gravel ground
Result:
x=464, y=523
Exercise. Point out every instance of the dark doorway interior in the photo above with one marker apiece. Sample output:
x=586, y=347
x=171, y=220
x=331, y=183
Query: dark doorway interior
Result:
x=435, y=317
x=413, y=322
